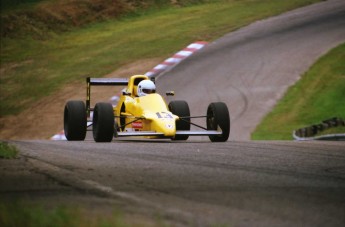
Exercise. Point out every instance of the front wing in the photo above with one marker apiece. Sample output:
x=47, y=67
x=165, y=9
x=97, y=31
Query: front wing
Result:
x=189, y=133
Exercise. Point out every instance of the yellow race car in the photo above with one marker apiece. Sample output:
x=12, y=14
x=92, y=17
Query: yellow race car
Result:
x=142, y=112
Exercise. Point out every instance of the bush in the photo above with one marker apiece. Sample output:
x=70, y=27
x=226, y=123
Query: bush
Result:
x=7, y=151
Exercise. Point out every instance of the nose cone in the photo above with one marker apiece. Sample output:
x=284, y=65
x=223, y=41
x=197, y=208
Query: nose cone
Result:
x=166, y=126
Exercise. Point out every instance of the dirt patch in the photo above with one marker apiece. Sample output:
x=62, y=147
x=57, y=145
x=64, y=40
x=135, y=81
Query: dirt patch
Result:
x=45, y=117
x=64, y=15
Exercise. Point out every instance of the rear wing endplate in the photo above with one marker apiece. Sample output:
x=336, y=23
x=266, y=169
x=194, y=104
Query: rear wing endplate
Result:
x=101, y=82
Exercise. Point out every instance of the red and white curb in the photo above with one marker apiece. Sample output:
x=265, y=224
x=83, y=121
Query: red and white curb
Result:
x=59, y=136
x=156, y=71
x=176, y=58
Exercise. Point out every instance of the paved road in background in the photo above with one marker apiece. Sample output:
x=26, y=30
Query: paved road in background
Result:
x=250, y=69
x=198, y=183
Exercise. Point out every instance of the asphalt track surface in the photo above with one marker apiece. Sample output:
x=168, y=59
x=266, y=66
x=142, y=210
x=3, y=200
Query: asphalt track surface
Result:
x=199, y=183
x=250, y=69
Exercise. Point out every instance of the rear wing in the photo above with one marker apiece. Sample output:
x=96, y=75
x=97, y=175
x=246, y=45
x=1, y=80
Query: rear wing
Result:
x=101, y=82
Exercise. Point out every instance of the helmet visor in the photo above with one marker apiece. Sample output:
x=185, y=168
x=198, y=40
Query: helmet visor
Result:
x=149, y=91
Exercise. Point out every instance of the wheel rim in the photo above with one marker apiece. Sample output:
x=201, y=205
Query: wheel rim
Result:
x=211, y=121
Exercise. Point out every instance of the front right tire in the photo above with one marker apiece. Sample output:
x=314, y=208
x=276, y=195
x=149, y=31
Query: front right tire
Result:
x=75, y=119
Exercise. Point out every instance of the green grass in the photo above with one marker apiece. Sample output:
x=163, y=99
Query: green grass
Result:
x=18, y=4
x=32, y=69
x=7, y=151
x=31, y=214
x=318, y=96
x=22, y=214
x=333, y=130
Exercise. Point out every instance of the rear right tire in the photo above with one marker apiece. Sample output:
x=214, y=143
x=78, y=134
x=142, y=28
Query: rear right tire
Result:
x=103, y=122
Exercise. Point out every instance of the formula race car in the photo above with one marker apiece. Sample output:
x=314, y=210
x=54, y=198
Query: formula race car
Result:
x=141, y=112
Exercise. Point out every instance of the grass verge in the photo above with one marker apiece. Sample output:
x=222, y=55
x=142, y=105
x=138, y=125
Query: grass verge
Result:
x=317, y=96
x=32, y=69
x=7, y=151
x=335, y=130
x=15, y=4
x=32, y=214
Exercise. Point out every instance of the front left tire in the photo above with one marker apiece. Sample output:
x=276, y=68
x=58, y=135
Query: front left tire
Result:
x=218, y=119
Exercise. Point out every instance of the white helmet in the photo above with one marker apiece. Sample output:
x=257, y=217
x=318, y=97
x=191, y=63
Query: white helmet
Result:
x=146, y=87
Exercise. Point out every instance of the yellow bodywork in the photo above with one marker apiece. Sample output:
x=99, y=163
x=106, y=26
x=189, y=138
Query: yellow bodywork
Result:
x=144, y=114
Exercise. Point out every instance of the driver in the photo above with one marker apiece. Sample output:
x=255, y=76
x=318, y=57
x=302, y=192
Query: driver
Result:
x=146, y=87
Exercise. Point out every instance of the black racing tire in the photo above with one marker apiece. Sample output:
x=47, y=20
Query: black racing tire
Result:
x=103, y=122
x=181, y=109
x=116, y=129
x=218, y=117
x=75, y=120
x=122, y=118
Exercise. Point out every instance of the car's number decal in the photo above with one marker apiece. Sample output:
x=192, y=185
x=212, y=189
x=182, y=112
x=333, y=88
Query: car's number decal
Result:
x=164, y=115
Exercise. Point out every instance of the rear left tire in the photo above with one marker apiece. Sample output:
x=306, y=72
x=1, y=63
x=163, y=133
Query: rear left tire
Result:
x=181, y=109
